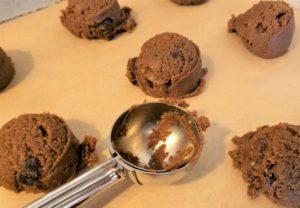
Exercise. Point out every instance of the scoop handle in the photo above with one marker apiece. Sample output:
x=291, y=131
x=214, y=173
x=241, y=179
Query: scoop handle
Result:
x=82, y=187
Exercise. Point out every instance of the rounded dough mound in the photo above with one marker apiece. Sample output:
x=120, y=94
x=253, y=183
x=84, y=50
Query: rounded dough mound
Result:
x=188, y=2
x=7, y=70
x=38, y=153
x=169, y=65
x=266, y=29
x=94, y=19
x=269, y=159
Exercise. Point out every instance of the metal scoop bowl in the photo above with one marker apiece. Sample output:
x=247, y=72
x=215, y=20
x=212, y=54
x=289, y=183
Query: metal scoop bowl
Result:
x=130, y=133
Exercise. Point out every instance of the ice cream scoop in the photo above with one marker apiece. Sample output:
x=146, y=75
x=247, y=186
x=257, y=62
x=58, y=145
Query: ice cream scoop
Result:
x=130, y=133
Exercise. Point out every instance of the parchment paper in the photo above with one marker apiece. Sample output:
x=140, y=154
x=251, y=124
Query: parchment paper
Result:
x=84, y=82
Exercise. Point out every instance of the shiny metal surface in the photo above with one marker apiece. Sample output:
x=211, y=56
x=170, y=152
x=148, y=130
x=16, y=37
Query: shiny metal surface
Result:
x=138, y=122
x=82, y=187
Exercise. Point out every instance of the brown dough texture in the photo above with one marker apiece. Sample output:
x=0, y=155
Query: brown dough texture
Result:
x=39, y=153
x=7, y=70
x=266, y=29
x=93, y=19
x=169, y=65
x=188, y=2
x=269, y=159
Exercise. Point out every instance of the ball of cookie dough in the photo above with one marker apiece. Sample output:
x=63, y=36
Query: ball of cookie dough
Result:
x=169, y=65
x=188, y=2
x=266, y=29
x=97, y=19
x=39, y=153
x=269, y=159
x=7, y=70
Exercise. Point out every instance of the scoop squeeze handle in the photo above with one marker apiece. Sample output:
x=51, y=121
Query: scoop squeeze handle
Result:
x=82, y=187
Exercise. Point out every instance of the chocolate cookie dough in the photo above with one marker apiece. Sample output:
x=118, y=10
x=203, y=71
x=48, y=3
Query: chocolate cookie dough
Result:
x=7, y=70
x=97, y=19
x=169, y=65
x=39, y=153
x=188, y=2
x=266, y=29
x=269, y=159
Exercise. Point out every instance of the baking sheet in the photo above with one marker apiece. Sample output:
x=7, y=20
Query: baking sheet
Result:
x=84, y=82
x=10, y=9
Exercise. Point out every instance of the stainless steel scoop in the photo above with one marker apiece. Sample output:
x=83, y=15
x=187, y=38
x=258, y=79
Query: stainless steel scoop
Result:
x=130, y=133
